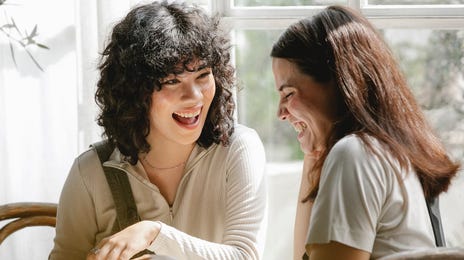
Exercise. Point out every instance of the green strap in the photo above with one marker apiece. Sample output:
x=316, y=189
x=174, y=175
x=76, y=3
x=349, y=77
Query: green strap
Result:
x=121, y=191
x=126, y=209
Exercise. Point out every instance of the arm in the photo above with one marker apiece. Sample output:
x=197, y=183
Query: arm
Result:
x=244, y=209
x=348, y=206
x=76, y=223
x=303, y=211
x=244, y=216
x=335, y=250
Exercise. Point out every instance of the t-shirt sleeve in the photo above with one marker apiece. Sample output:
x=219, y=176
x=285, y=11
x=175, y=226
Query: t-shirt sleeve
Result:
x=352, y=190
x=245, y=210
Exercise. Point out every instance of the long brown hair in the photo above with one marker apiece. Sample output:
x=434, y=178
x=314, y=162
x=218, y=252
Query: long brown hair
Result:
x=339, y=44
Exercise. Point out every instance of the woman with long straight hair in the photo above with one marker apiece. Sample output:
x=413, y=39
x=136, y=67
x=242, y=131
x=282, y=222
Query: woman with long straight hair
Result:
x=371, y=158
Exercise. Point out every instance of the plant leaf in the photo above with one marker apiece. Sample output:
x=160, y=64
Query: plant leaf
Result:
x=8, y=25
x=42, y=46
x=12, y=54
x=33, y=59
x=34, y=32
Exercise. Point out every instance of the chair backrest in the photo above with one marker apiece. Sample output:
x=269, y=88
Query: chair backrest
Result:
x=26, y=214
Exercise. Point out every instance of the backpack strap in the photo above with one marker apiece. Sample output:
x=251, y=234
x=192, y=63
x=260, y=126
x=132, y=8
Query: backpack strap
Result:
x=434, y=213
x=126, y=209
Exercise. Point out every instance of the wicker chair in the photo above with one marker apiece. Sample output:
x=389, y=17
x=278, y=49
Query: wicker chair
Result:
x=26, y=214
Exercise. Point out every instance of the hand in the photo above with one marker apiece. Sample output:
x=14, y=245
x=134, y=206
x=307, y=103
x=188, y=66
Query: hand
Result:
x=314, y=155
x=126, y=243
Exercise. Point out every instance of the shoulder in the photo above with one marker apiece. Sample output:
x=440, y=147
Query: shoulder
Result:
x=87, y=169
x=243, y=139
x=244, y=150
x=88, y=161
x=353, y=149
x=349, y=146
x=351, y=160
x=244, y=134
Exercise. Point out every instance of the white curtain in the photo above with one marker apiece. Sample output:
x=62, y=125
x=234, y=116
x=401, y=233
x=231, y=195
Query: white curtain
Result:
x=48, y=117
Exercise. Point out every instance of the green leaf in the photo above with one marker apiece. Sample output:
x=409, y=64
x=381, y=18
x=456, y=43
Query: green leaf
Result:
x=33, y=59
x=34, y=32
x=42, y=46
x=12, y=53
x=8, y=25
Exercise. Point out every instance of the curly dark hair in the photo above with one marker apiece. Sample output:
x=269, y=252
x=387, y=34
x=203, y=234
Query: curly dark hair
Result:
x=147, y=45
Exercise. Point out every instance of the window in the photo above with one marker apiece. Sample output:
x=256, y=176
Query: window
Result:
x=427, y=36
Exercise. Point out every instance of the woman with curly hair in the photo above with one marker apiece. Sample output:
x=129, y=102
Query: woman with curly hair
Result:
x=195, y=176
x=371, y=159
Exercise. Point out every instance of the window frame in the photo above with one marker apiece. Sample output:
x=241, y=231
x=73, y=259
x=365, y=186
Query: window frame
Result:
x=435, y=17
x=382, y=16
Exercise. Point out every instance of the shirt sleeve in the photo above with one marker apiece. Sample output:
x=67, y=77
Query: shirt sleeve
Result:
x=245, y=210
x=76, y=222
x=352, y=190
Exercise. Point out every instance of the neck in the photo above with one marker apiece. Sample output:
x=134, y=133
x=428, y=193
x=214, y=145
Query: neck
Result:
x=167, y=154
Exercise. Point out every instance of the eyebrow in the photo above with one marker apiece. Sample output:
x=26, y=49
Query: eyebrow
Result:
x=202, y=66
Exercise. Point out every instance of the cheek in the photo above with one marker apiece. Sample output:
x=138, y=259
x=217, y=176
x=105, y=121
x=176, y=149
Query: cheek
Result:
x=209, y=91
x=298, y=108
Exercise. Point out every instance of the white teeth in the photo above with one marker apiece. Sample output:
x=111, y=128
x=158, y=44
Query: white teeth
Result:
x=299, y=127
x=187, y=115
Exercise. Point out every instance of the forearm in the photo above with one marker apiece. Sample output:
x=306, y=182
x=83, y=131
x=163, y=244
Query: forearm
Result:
x=177, y=244
x=303, y=212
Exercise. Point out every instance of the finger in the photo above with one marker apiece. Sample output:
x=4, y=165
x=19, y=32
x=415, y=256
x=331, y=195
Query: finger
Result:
x=115, y=253
x=104, y=251
x=128, y=252
x=92, y=255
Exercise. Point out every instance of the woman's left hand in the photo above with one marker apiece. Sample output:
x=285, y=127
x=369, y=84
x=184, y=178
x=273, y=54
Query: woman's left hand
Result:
x=126, y=243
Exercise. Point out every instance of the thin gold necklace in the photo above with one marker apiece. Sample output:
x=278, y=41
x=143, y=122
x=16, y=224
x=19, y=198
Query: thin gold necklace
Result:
x=163, y=168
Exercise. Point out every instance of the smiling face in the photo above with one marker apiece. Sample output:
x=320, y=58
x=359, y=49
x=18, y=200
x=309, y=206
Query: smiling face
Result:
x=180, y=107
x=309, y=106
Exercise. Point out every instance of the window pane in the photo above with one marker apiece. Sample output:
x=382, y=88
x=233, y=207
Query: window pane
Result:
x=433, y=61
x=198, y=2
x=415, y=2
x=286, y=2
x=257, y=98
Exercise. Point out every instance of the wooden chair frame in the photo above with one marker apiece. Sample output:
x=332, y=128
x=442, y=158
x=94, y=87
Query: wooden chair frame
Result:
x=26, y=214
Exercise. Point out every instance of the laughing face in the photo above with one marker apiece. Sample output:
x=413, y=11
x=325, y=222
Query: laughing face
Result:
x=310, y=107
x=179, y=109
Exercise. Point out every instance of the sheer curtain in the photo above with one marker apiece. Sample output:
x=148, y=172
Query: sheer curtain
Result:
x=48, y=117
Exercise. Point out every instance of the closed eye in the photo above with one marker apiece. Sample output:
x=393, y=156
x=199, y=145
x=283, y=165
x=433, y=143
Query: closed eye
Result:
x=170, y=82
x=289, y=95
x=204, y=75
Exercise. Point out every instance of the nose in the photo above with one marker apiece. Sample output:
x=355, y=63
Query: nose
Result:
x=191, y=91
x=282, y=112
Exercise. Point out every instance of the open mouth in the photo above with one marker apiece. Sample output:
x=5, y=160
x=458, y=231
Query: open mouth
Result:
x=189, y=118
x=299, y=126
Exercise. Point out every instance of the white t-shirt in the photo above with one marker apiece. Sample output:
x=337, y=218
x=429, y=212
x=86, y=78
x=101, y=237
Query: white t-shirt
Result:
x=362, y=204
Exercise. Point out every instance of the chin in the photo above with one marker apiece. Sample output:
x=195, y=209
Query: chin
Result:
x=305, y=149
